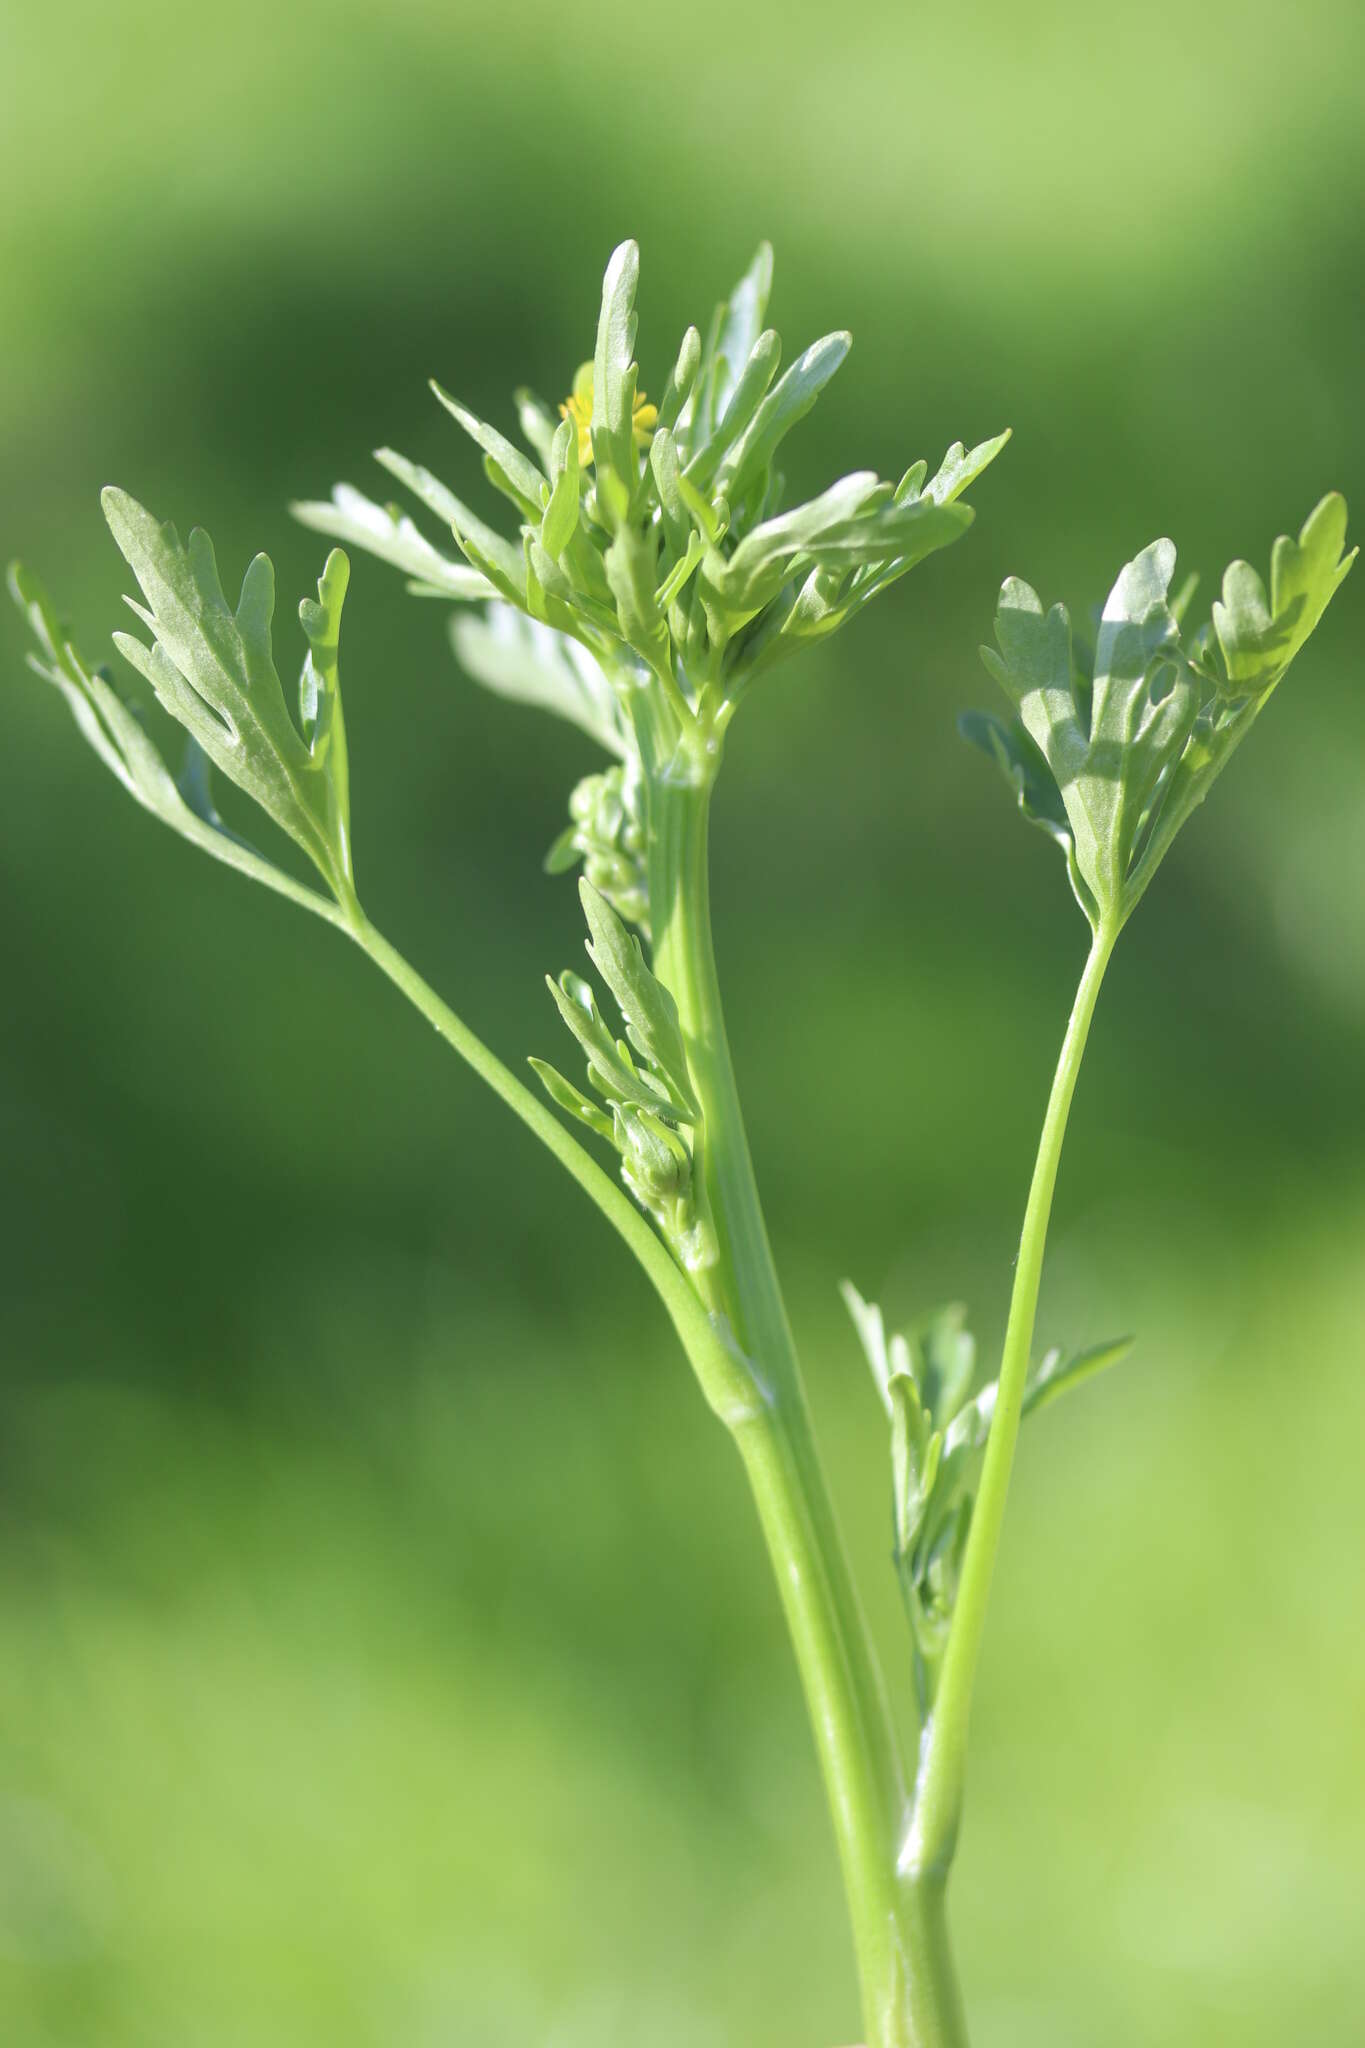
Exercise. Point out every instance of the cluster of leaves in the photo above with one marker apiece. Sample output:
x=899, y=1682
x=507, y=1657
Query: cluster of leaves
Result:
x=654, y=562
x=212, y=668
x=654, y=536
x=939, y=1426
x=1111, y=757
x=649, y=1111
x=654, y=573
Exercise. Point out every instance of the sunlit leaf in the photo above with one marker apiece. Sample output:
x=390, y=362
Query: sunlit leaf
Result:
x=118, y=737
x=518, y=658
x=1133, y=750
x=213, y=669
x=388, y=533
x=614, y=369
x=747, y=463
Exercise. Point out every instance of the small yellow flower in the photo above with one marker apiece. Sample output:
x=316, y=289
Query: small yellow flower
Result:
x=578, y=408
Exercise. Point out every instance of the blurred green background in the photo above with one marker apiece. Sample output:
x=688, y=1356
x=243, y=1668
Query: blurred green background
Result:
x=386, y=1655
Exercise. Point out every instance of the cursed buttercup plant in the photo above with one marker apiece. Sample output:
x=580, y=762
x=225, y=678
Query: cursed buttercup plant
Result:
x=656, y=575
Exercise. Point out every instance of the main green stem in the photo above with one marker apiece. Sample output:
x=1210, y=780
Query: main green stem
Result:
x=909, y=1991
x=895, y=1845
x=753, y=1383
x=937, y=1813
x=896, y=1848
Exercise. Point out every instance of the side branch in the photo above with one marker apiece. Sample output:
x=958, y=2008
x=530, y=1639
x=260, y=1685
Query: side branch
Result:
x=729, y=1386
x=937, y=1808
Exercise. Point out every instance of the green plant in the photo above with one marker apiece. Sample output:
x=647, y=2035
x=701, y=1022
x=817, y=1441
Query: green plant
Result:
x=656, y=578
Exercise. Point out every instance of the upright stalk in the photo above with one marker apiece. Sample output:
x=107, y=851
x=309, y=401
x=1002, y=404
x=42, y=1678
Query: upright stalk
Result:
x=895, y=1849
x=937, y=1811
x=909, y=1992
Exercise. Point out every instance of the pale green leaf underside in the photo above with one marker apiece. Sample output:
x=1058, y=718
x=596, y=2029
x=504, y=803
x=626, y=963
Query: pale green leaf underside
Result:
x=212, y=668
x=127, y=750
x=521, y=659
x=1112, y=764
x=390, y=535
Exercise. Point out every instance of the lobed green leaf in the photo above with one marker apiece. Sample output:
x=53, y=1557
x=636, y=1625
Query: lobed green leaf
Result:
x=118, y=737
x=390, y=535
x=213, y=669
x=1132, y=752
x=1259, y=639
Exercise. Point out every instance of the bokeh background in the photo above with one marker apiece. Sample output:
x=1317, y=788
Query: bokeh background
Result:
x=386, y=1654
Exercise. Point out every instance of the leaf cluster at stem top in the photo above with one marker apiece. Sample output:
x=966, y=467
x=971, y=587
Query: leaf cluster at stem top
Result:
x=656, y=536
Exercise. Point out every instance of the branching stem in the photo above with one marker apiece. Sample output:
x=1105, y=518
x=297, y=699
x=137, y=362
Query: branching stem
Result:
x=725, y=1381
x=745, y=1359
x=937, y=1812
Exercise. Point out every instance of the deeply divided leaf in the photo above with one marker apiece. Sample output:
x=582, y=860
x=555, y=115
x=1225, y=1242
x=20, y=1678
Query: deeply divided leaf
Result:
x=118, y=736
x=212, y=668
x=1112, y=764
